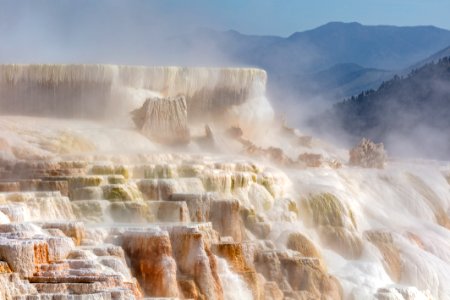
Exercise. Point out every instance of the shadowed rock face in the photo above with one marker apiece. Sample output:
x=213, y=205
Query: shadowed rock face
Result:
x=163, y=120
x=151, y=259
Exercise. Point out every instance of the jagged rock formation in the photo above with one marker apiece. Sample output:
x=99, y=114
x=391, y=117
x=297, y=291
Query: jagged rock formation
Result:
x=165, y=195
x=47, y=261
x=163, y=120
x=117, y=216
x=278, y=156
x=151, y=259
x=367, y=154
x=168, y=260
x=110, y=92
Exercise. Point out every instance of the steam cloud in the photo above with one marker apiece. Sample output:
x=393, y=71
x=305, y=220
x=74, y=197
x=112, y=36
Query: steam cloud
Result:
x=116, y=32
x=149, y=33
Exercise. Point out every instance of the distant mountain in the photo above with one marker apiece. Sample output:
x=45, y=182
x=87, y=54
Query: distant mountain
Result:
x=342, y=80
x=321, y=60
x=410, y=114
x=385, y=47
x=433, y=58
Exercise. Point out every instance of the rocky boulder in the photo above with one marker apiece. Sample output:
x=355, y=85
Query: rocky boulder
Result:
x=163, y=120
x=367, y=154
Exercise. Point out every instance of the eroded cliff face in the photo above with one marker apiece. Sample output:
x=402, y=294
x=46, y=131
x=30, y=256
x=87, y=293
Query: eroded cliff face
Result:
x=183, y=233
x=108, y=92
x=102, y=212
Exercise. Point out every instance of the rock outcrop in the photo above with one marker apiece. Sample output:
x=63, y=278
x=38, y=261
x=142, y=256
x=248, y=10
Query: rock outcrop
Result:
x=367, y=154
x=150, y=255
x=163, y=120
x=47, y=261
x=195, y=260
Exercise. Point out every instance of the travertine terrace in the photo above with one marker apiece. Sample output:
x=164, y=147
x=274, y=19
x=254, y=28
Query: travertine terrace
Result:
x=243, y=207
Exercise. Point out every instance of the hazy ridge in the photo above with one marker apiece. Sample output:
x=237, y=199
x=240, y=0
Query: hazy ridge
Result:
x=408, y=113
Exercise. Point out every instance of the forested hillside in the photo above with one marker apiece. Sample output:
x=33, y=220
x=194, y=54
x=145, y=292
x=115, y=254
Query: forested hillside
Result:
x=410, y=113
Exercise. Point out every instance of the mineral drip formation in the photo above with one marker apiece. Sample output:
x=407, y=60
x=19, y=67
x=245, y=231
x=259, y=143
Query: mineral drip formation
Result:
x=97, y=210
x=163, y=120
x=110, y=92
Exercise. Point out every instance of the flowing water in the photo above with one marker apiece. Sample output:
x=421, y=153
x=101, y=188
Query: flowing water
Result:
x=382, y=233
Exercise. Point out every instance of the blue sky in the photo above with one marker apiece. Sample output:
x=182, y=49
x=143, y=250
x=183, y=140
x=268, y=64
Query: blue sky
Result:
x=140, y=31
x=274, y=17
x=283, y=17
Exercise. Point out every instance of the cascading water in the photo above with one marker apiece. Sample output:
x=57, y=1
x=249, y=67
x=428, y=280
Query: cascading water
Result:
x=235, y=286
x=111, y=92
x=243, y=221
